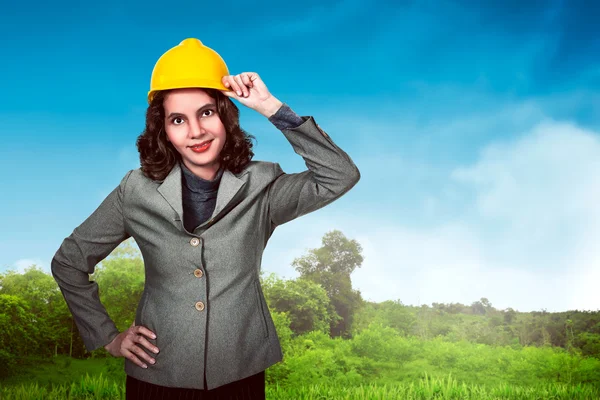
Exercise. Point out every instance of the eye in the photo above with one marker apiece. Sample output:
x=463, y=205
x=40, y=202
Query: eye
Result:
x=175, y=119
x=211, y=110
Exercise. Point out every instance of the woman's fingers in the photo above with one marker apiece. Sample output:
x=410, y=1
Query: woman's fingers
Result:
x=246, y=79
x=133, y=351
x=142, y=330
x=240, y=83
x=130, y=349
x=143, y=341
x=247, y=88
x=225, y=81
x=234, y=85
x=139, y=351
x=242, y=86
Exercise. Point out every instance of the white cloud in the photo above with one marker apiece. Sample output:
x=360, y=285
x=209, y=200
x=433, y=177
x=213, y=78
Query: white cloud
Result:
x=535, y=197
x=22, y=264
x=524, y=238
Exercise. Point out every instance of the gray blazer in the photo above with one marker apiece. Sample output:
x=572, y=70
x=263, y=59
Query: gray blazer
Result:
x=202, y=295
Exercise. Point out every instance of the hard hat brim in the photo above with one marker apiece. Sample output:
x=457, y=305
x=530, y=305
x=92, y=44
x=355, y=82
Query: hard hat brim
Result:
x=187, y=83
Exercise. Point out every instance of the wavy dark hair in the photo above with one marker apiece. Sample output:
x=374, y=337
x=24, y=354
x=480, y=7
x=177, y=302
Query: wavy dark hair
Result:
x=157, y=154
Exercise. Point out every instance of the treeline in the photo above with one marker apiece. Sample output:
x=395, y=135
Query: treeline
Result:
x=319, y=308
x=575, y=331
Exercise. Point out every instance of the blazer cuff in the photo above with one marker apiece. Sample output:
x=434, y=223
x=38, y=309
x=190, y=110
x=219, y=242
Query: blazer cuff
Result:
x=285, y=118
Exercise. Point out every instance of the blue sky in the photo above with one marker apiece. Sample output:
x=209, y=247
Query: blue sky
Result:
x=475, y=126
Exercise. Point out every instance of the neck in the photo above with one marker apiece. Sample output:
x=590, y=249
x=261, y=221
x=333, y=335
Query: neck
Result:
x=206, y=172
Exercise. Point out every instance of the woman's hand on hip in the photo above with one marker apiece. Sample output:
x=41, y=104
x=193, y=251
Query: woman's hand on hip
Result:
x=249, y=89
x=125, y=344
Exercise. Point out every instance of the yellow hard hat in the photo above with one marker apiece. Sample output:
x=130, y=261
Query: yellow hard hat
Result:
x=189, y=64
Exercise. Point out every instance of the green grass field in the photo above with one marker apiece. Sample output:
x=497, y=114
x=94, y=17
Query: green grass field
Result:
x=100, y=387
x=104, y=379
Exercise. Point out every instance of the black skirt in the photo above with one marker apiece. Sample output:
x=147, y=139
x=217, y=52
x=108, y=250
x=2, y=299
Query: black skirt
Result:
x=250, y=388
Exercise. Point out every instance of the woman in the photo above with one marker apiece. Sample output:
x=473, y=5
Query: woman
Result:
x=201, y=212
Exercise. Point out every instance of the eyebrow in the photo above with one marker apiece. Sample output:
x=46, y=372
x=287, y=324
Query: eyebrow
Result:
x=176, y=114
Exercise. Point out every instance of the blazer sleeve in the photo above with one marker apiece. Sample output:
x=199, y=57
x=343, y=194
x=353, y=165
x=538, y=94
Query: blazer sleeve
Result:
x=330, y=174
x=88, y=244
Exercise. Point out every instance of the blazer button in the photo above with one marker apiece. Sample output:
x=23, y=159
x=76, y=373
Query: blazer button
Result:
x=194, y=241
x=199, y=306
x=198, y=273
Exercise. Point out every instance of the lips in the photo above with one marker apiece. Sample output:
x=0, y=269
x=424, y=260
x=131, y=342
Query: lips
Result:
x=202, y=147
x=201, y=144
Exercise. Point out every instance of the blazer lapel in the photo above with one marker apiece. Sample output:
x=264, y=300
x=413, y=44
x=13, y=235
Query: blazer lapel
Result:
x=171, y=190
x=229, y=186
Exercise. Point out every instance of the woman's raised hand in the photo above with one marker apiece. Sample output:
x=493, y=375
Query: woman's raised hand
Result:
x=249, y=89
x=125, y=344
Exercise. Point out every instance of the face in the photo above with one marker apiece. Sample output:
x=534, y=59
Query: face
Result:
x=191, y=119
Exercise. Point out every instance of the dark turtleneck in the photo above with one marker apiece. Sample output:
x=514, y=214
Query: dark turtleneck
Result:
x=200, y=195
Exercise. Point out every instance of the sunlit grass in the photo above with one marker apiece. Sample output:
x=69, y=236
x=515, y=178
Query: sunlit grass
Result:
x=99, y=387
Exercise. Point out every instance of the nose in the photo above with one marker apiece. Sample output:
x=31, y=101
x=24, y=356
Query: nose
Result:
x=196, y=129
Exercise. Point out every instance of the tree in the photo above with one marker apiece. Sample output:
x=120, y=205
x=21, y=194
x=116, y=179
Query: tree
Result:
x=330, y=266
x=34, y=286
x=482, y=307
x=18, y=332
x=390, y=313
x=305, y=302
x=509, y=316
x=121, y=280
x=44, y=302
